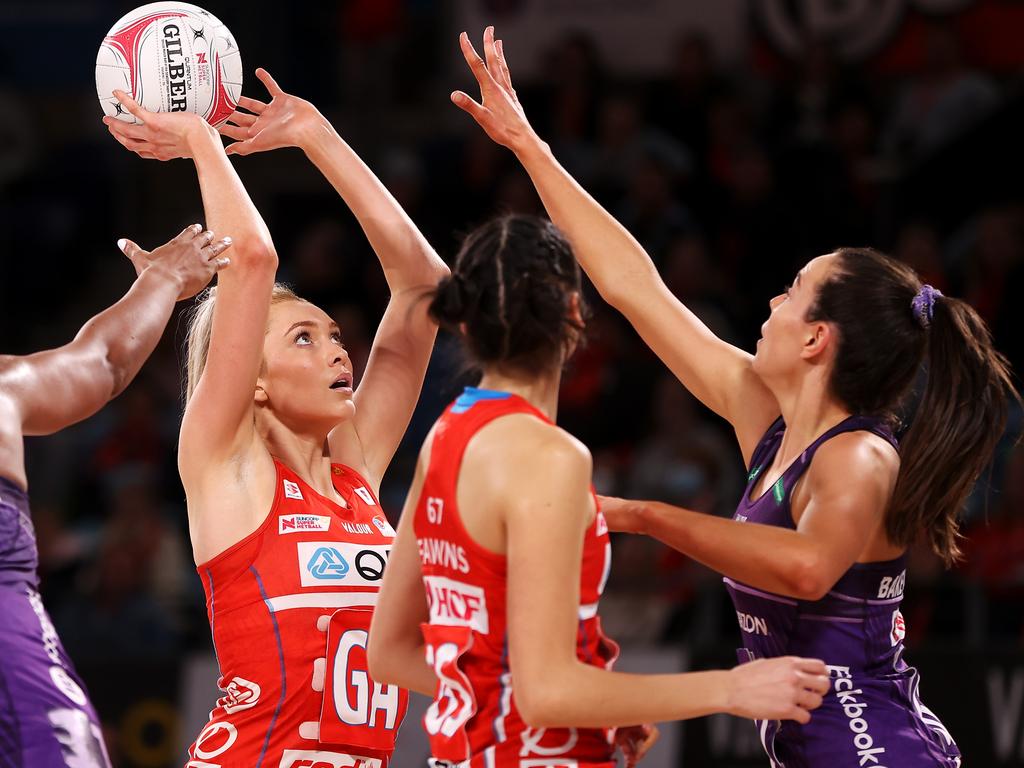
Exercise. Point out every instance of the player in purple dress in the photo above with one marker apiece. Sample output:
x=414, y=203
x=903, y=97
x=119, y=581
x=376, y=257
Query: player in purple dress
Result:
x=46, y=720
x=814, y=557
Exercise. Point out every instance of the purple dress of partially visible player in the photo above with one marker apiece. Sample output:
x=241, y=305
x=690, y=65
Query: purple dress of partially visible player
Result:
x=46, y=719
x=814, y=557
x=875, y=717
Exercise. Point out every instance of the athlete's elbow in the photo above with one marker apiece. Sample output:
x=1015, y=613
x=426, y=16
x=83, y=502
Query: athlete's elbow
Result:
x=377, y=662
x=628, y=289
x=438, y=270
x=808, y=577
x=536, y=714
x=542, y=703
x=255, y=253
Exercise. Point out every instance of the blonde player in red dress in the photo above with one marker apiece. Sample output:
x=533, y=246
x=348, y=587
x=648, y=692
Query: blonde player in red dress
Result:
x=502, y=552
x=281, y=460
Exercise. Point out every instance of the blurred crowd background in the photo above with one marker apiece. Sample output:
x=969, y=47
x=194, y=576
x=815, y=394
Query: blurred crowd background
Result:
x=750, y=137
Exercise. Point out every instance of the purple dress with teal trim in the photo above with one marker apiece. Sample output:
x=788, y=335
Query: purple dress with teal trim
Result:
x=873, y=716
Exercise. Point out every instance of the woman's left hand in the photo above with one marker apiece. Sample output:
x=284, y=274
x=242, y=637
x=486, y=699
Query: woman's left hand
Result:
x=635, y=741
x=498, y=112
x=157, y=135
x=286, y=121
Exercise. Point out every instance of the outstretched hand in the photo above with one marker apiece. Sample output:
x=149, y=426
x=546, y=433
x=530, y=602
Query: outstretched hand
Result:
x=156, y=135
x=191, y=259
x=498, y=112
x=286, y=121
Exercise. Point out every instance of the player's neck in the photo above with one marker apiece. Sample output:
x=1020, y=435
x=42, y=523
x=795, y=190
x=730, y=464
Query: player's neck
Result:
x=308, y=456
x=540, y=390
x=809, y=410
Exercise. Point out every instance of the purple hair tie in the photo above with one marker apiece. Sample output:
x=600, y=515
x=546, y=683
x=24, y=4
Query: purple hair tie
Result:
x=923, y=304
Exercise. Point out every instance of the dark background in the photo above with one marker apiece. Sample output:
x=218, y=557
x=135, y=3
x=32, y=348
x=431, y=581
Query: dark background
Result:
x=733, y=157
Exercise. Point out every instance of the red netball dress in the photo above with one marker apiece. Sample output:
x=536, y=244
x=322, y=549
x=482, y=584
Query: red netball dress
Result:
x=289, y=609
x=473, y=719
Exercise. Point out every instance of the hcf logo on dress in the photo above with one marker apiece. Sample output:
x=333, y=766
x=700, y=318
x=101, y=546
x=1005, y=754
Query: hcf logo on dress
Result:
x=341, y=563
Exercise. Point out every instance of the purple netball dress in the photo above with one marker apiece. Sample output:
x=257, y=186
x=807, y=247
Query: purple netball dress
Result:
x=872, y=716
x=46, y=720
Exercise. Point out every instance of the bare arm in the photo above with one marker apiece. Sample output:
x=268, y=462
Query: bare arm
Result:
x=50, y=390
x=396, y=652
x=401, y=348
x=836, y=525
x=218, y=422
x=716, y=372
x=546, y=517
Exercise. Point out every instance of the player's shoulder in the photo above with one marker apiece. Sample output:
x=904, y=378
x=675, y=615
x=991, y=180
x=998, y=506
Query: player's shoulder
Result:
x=861, y=448
x=860, y=457
x=529, y=440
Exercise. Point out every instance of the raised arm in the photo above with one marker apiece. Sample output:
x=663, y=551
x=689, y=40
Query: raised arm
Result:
x=49, y=390
x=547, y=509
x=391, y=384
x=396, y=652
x=839, y=519
x=717, y=373
x=218, y=423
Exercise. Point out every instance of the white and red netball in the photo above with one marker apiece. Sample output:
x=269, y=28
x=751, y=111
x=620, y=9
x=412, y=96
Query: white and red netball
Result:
x=171, y=57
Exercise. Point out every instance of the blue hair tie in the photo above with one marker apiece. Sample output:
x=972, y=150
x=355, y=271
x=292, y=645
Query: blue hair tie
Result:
x=923, y=304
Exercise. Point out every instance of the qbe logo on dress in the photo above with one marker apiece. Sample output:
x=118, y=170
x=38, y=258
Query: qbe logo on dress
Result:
x=339, y=563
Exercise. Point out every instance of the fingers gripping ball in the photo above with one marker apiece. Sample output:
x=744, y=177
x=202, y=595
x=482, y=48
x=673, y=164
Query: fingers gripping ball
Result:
x=170, y=57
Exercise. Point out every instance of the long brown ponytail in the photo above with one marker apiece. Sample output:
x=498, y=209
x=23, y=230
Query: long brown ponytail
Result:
x=959, y=421
x=886, y=332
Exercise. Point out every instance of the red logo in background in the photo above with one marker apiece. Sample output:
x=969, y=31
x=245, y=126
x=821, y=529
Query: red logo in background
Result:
x=201, y=58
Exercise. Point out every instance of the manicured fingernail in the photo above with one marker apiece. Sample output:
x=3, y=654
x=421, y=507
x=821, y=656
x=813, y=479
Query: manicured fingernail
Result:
x=122, y=243
x=228, y=240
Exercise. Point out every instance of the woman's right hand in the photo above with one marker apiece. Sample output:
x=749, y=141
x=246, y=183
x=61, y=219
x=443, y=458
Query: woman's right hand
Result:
x=499, y=112
x=191, y=259
x=785, y=688
x=158, y=135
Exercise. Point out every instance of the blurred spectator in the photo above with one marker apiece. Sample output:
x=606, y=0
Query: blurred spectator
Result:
x=945, y=98
x=128, y=598
x=686, y=460
x=679, y=104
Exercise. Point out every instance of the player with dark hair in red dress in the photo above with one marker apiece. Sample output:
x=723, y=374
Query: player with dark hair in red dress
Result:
x=502, y=551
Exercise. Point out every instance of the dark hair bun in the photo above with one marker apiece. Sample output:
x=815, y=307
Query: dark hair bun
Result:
x=509, y=294
x=448, y=302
